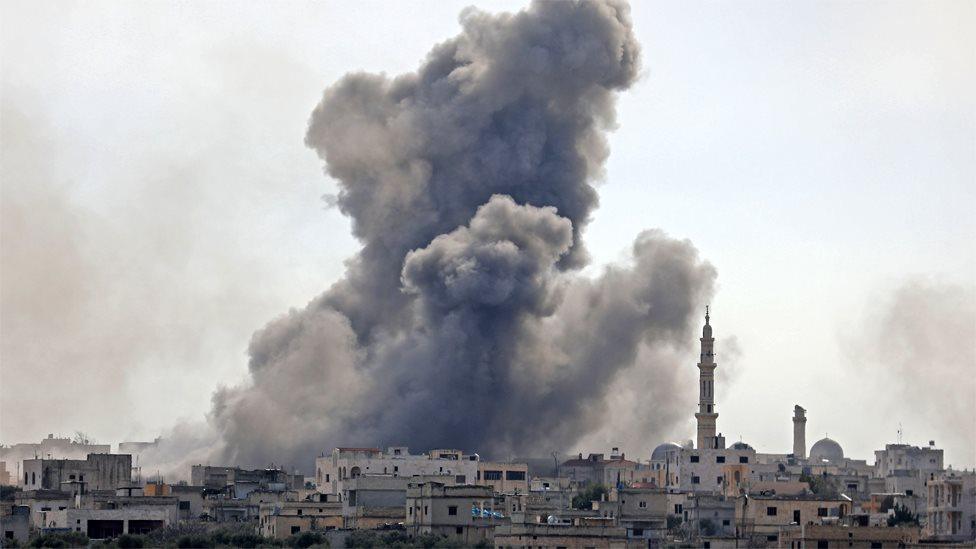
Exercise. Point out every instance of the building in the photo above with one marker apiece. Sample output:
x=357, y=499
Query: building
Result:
x=951, y=507
x=641, y=512
x=212, y=477
x=709, y=516
x=285, y=519
x=95, y=472
x=831, y=536
x=15, y=526
x=763, y=518
x=504, y=478
x=49, y=448
x=719, y=471
x=377, y=501
x=189, y=498
x=896, y=458
x=109, y=523
x=332, y=472
x=465, y=514
x=552, y=536
x=595, y=469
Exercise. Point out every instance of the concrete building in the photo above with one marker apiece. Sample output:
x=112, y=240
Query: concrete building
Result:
x=95, y=472
x=332, y=472
x=109, y=523
x=709, y=516
x=551, y=536
x=596, y=469
x=831, y=536
x=641, y=512
x=49, y=448
x=799, y=432
x=189, y=498
x=15, y=526
x=763, y=518
x=902, y=458
x=710, y=471
x=376, y=501
x=210, y=476
x=285, y=519
x=465, y=514
x=42, y=502
x=504, y=478
x=707, y=415
x=951, y=507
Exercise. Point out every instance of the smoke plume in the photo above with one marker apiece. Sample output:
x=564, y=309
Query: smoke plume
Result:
x=463, y=321
x=916, y=347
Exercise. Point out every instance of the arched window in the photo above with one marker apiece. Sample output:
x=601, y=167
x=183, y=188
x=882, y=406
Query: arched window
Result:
x=354, y=472
x=33, y=478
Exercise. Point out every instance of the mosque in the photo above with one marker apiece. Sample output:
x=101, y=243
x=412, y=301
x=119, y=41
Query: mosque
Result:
x=707, y=465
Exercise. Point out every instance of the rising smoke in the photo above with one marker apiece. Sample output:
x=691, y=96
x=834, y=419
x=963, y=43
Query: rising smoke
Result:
x=463, y=321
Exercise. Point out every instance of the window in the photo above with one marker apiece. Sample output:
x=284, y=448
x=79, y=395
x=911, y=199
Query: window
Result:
x=396, y=468
x=642, y=505
x=719, y=459
x=184, y=505
x=909, y=492
x=772, y=537
x=459, y=530
x=694, y=459
x=327, y=477
x=743, y=459
x=677, y=508
x=718, y=480
x=299, y=512
x=514, y=475
x=71, y=477
x=695, y=480
x=823, y=544
x=638, y=532
x=296, y=529
x=425, y=509
x=876, y=545
x=493, y=475
x=821, y=511
x=726, y=522
x=459, y=479
x=452, y=510
x=33, y=478
x=770, y=511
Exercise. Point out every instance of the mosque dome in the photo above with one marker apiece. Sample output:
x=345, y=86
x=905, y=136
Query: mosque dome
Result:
x=661, y=452
x=826, y=449
x=741, y=446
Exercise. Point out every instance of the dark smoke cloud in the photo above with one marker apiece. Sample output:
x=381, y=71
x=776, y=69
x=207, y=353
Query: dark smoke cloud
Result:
x=462, y=321
x=916, y=346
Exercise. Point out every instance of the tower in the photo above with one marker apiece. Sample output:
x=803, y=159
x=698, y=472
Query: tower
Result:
x=707, y=415
x=799, y=432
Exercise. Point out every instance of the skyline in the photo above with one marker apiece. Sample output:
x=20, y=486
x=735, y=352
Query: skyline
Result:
x=800, y=207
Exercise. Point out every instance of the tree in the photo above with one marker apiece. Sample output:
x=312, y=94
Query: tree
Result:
x=821, y=485
x=902, y=515
x=593, y=492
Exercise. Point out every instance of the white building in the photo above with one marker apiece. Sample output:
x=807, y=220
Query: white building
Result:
x=332, y=471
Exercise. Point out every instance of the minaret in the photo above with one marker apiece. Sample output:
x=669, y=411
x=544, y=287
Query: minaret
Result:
x=707, y=415
x=799, y=432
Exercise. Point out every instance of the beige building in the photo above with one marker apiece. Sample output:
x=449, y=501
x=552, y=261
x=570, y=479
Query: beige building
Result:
x=764, y=518
x=465, y=514
x=504, y=478
x=332, y=471
x=951, y=508
x=827, y=536
x=547, y=536
x=289, y=518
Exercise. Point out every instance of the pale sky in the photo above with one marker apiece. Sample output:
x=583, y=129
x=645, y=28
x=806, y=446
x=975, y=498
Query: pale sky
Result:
x=821, y=155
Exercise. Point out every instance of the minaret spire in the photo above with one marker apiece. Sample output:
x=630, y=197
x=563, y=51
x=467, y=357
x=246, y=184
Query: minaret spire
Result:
x=707, y=416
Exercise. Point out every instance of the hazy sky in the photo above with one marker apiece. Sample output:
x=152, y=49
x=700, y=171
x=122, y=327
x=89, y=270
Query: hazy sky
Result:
x=159, y=204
